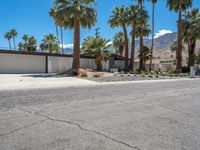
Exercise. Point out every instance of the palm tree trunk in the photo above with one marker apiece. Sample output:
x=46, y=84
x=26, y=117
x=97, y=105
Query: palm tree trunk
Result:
x=99, y=64
x=141, y=67
x=9, y=44
x=152, y=44
x=191, y=60
x=126, y=46
x=132, y=64
x=121, y=50
x=179, y=51
x=57, y=34
x=61, y=36
x=14, y=43
x=76, y=54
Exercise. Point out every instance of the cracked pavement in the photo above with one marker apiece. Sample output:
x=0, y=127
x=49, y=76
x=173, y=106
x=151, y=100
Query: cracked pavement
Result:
x=135, y=116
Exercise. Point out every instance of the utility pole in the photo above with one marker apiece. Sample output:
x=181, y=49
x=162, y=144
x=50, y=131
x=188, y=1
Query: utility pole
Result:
x=97, y=32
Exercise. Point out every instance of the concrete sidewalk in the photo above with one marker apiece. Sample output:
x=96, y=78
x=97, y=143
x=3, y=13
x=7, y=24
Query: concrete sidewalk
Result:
x=37, y=81
x=42, y=81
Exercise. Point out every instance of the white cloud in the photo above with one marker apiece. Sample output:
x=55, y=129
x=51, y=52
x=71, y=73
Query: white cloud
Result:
x=162, y=32
x=67, y=46
x=71, y=46
x=110, y=43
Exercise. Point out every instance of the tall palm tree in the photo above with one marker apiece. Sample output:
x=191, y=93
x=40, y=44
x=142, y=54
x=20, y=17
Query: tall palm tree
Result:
x=54, y=14
x=8, y=36
x=152, y=44
x=118, y=43
x=134, y=15
x=191, y=33
x=179, y=6
x=119, y=19
x=140, y=5
x=14, y=33
x=50, y=44
x=97, y=47
x=76, y=14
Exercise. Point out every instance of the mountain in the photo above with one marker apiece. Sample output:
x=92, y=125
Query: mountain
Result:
x=162, y=46
x=68, y=50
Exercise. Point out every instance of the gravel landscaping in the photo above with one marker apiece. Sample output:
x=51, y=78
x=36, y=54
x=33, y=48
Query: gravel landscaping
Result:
x=127, y=78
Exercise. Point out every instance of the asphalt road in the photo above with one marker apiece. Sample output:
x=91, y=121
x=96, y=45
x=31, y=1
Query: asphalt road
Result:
x=141, y=116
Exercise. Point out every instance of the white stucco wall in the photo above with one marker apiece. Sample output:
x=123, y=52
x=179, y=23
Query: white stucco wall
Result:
x=15, y=63
x=62, y=64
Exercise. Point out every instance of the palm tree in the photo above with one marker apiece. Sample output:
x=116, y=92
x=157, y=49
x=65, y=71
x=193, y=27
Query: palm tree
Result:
x=50, y=43
x=97, y=47
x=53, y=13
x=179, y=6
x=119, y=19
x=8, y=36
x=152, y=44
x=14, y=33
x=133, y=16
x=191, y=30
x=142, y=29
x=140, y=5
x=25, y=38
x=76, y=14
x=118, y=43
x=32, y=47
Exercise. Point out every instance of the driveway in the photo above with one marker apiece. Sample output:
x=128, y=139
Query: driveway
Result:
x=39, y=81
x=142, y=116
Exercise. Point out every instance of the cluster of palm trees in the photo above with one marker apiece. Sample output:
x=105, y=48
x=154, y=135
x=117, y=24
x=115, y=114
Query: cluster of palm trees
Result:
x=49, y=44
x=29, y=44
x=137, y=18
x=11, y=35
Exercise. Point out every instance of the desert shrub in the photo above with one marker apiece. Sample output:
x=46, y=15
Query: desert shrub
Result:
x=96, y=75
x=83, y=74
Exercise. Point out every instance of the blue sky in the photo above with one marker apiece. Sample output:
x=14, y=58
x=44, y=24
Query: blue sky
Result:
x=32, y=17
